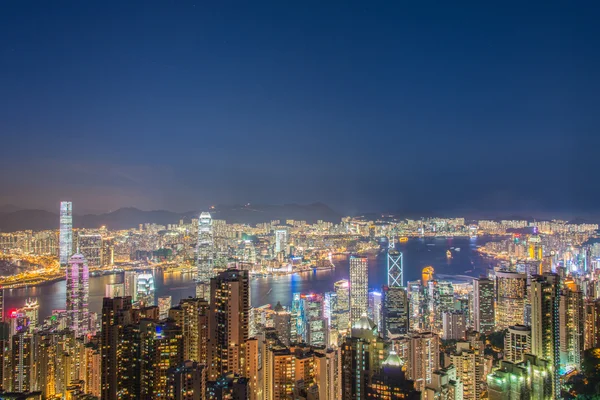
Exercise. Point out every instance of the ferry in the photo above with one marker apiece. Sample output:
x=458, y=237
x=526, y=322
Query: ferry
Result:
x=448, y=254
x=403, y=239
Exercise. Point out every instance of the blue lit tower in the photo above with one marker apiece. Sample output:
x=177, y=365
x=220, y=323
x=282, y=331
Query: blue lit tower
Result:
x=66, y=232
x=205, y=254
x=395, y=269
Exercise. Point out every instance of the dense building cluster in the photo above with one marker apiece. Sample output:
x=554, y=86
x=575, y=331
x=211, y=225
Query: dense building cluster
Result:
x=519, y=332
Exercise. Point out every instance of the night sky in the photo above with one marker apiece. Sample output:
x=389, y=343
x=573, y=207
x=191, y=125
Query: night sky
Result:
x=365, y=106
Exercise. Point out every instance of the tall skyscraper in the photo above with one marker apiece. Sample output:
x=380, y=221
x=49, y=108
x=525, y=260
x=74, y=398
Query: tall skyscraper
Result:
x=394, y=311
x=571, y=316
x=395, y=269
x=511, y=290
x=545, y=324
x=359, y=288
x=205, y=254
x=483, y=305
x=145, y=290
x=423, y=358
x=32, y=312
x=192, y=316
x=116, y=316
x=66, y=232
x=591, y=324
x=228, y=323
x=78, y=293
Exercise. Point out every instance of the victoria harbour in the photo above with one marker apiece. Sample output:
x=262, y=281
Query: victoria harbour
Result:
x=417, y=253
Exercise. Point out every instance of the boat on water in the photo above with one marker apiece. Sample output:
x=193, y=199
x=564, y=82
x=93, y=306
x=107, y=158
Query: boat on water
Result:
x=457, y=249
x=403, y=239
x=448, y=254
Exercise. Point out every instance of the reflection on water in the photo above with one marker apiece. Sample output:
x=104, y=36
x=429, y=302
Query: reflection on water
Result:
x=418, y=253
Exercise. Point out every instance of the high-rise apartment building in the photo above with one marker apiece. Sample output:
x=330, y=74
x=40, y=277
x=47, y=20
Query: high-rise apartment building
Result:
x=453, y=325
x=359, y=288
x=511, y=291
x=483, y=305
x=192, y=316
x=228, y=323
x=78, y=293
x=423, y=358
x=517, y=343
x=591, y=325
x=66, y=233
x=571, y=317
x=90, y=245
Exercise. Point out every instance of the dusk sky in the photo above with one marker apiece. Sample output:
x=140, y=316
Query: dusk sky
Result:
x=365, y=106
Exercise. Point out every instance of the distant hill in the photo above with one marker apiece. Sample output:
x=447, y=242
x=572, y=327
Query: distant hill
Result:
x=125, y=218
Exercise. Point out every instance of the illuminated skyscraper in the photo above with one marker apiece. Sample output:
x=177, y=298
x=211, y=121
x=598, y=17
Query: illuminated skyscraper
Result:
x=228, y=323
x=359, y=288
x=66, y=232
x=205, y=254
x=395, y=269
x=483, y=305
x=545, y=324
x=164, y=304
x=394, y=311
x=511, y=289
x=423, y=358
x=78, y=293
x=591, y=324
x=571, y=318
x=375, y=308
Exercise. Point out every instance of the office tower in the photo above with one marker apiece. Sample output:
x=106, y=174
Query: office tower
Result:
x=571, y=322
x=375, y=308
x=114, y=290
x=161, y=348
x=164, y=304
x=545, y=323
x=391, y=382
x=32, y=311
x=359, y=288
x=453, y=325
x=361, y=355
x=483, y=305
x=187, y=381
x=144, y=290
x=21, y=362
x=394, y=311
x=205, y=253
x=90, y=246
x=342, y=291
x=228, y=323
x=311, y=323
x=441, y=298
x=108, y=252
x=469, y=363
x=535, y=248
x=591, y=324
x=192, y=316
x=2, y=317
x=130, y=284
x=511, y=290
x=116, y=316
x=281, y=240
x=395, y=269
x=517, y=342
x=423, y=358
x=78, y=293
x=66, y=232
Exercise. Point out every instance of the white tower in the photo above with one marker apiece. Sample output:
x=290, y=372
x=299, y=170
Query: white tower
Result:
x=205, y=252
x=78, y=293
x=66, y=232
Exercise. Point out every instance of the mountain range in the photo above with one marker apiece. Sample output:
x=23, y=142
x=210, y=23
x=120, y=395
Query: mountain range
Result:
x=14, y=219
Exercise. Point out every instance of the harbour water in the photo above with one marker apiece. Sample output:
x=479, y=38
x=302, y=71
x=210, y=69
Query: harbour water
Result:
x=417, y=253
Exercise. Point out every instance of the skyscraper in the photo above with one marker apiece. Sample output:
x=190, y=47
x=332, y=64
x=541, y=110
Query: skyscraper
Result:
x=395, y=269
x=483, y=305
x=359, y=288
x=280, y=240
x=78, y=292
x=145, y=290
x=394, y=311
x=511, y=289
x=545, y=323
x=205, y=254
x=228, y=323
x=164, y=304
x=66, y=232
x=423, y=358
x=571, y=316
